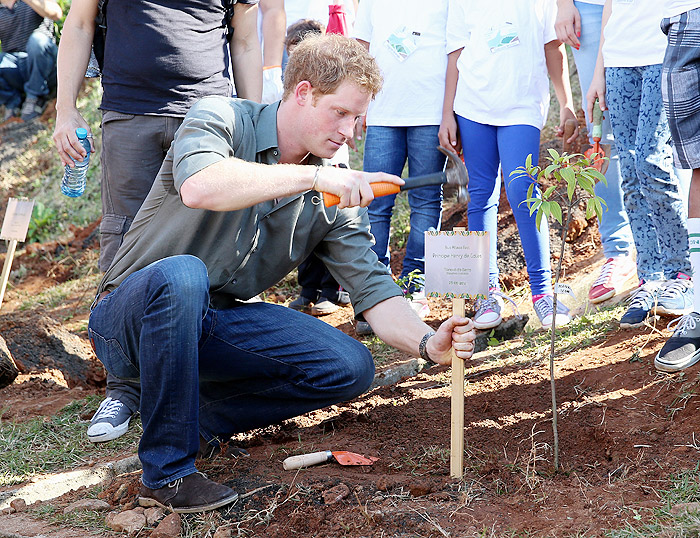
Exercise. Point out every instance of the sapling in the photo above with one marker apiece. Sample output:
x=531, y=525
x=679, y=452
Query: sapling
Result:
x=571, y=179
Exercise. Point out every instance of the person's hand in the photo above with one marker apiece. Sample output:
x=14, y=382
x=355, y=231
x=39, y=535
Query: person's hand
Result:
x=448, y=135
x=596, y=91
x=565, y=115
x=351, y=186
x=455, y=333
x=65, y=139
x=568, y=24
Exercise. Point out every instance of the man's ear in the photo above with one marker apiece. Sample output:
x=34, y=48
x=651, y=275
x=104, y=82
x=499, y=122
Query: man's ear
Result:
x=303, y=93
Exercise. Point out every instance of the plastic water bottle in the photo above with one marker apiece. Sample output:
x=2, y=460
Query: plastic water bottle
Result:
x=74, y=179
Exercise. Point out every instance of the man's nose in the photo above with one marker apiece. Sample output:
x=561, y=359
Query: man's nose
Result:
x=347, y=128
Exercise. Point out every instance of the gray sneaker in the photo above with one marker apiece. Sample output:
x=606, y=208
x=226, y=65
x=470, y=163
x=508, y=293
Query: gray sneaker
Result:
x=33, y=107
x=189, y=494
x=683, y=348
x=111, y=420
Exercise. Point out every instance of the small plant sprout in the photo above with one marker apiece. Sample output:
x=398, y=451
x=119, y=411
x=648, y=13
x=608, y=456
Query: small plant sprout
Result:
x=566, y=182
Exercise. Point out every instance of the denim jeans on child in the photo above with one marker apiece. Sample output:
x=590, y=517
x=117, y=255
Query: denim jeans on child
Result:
x=652, y=198
x=485, y=147
x=386, y=150
x=32, y=72
x=614, y=226
x=215, y=372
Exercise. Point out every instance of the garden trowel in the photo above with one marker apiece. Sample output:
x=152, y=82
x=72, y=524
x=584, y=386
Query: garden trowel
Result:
x=600, y=162
x=455, y=173
x=314, y=458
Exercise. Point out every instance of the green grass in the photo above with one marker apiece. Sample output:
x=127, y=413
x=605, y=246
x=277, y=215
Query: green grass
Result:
x=665, y=523
x=53, y=444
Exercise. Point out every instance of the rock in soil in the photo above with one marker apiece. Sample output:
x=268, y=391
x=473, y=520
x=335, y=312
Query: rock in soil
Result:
x=130, y=521
x=153, y=515
x=8, y=368
x=87, y=504
x=18, y=505
x=170, y=527
x=335, y=494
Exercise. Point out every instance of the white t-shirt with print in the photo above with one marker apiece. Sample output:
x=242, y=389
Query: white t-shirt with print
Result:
x=317, y=10
x=414, y=84
x=596, y=2
x=676, y=7
x=633, y=36
x=502, y=69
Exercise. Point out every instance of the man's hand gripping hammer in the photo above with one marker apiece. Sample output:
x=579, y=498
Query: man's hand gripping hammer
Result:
x=455, y=173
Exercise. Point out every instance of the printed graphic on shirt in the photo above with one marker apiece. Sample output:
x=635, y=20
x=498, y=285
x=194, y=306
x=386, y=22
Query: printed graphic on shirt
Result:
x=402, y=42
x=502, y=37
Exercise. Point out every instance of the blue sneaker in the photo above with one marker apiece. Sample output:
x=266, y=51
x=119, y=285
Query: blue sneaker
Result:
x=641, y=305
x=111, y=420
x=676, y=297
x=683, y=348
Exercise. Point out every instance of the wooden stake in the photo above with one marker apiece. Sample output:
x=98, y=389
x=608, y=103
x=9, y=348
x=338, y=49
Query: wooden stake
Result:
x=457, y=427
x=457, y=400
x=6, y=267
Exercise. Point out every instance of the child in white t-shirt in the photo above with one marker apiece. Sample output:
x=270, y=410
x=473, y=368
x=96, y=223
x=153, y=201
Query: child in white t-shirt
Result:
x=627, y=82
x=499, y=54
x=407, y=38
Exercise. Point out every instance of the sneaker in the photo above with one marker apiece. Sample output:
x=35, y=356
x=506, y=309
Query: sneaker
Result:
x=33, y=107
x=488, y=311
x=683, y=348
x=343, y=298
x=676, y=297
x=419, y=304
x=301, y=303
x=9, y=113
x=189, y=494
x=641, y=304
x=613, y=275
x=544, y=308
x=362, y=328
x=111, y=420
x=323, y=307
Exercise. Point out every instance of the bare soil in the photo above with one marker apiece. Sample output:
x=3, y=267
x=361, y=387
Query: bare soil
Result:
x=624, y=429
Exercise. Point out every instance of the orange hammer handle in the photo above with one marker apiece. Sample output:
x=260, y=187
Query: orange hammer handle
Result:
x=379, y=189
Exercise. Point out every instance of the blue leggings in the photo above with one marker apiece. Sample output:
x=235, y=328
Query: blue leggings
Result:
x=485, y=147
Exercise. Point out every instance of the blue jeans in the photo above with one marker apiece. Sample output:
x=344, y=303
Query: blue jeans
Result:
x=386, y=150
x=614, y=226
x=653, y=201
x=485, y=147
x=215, y=372
x=32, y=72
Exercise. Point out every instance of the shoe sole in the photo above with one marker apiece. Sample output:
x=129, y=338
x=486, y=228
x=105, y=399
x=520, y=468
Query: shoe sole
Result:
x=676, y=367
x=488, y=325
x=323, y=311
x=661, y=311
x=148, y=502
x=631, y=325
x=109, y=436
x=604, y=297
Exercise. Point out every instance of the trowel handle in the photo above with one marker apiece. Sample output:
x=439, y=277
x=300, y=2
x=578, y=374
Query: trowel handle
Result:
x=306, y=460
x=379, y=189
x=597, y=126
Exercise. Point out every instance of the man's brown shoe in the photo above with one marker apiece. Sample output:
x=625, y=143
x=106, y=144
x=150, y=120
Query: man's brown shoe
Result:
x=192, y=493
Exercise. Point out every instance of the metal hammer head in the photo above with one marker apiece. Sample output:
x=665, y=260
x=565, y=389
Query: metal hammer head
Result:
x=456, y=174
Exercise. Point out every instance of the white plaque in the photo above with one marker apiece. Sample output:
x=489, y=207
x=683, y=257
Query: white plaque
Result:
x=457, y=264
x=17, y=217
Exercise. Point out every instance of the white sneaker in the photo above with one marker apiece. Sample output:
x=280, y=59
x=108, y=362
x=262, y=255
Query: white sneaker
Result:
x=613, y=276
x=111, y=420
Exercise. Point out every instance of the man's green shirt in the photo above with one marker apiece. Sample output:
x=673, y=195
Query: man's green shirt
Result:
x=248, y=250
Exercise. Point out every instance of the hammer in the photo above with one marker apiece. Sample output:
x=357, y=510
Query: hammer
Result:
x=455, y=173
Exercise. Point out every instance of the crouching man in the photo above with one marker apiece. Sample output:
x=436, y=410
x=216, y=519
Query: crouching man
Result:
x=235, y=207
